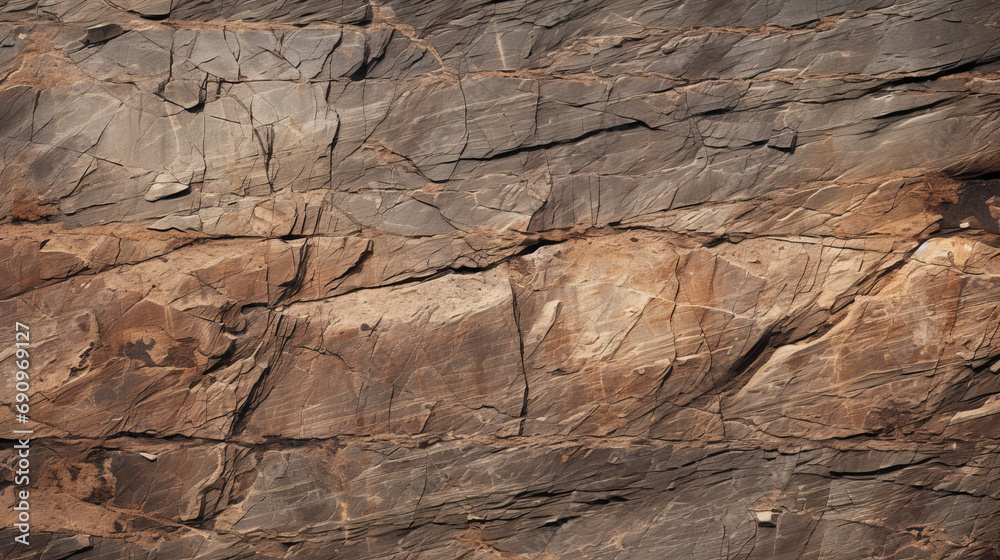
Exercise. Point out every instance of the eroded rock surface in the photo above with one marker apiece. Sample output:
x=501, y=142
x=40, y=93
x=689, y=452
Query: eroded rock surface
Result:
x=466, y=279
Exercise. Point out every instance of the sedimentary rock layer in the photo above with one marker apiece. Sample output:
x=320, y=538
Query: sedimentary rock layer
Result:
x=519, y=279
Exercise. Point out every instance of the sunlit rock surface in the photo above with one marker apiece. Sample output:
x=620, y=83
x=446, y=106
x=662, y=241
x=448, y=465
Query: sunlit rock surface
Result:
x=531, y=280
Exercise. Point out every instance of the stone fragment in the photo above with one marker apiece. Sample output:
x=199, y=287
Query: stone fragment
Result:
x=783, y=140
x=163, y=190
x=767, y=518
x=101, y=33
x=186, y=93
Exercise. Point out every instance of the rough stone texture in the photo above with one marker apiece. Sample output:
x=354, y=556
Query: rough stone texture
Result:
x=466, y=279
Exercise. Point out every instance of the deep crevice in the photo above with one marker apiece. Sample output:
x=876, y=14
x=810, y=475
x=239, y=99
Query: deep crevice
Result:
x=576, y=139
x=606, y=501
x=879, y=471
x=561, y=521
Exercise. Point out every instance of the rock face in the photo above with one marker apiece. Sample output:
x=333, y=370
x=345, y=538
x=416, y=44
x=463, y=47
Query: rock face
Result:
x=521, y=279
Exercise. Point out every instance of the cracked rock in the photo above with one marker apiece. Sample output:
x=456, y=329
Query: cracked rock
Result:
x=452, y=279
x=783, y=140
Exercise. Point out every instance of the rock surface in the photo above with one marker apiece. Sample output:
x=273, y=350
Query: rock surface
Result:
x=481, y=280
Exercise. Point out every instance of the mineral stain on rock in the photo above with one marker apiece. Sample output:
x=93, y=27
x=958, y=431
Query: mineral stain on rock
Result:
x=453, y=279
x=138, y=350
x=977, y=205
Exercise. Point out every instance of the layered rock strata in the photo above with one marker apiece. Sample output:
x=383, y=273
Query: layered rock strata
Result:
x=520, y=279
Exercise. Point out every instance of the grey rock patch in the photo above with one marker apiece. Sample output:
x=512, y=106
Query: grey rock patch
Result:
x=735, y=135
x=186, y=93
x=147, y=8
x=783, y=140
x=66, y=547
